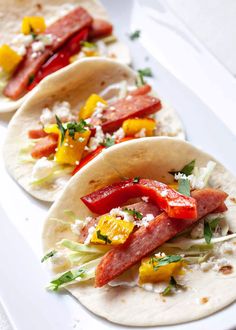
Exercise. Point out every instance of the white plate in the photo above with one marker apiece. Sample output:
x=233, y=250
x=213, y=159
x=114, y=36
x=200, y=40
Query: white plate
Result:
x=23, y=278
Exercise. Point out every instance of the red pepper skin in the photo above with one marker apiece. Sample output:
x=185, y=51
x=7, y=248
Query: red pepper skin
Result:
x=88, y=158
x=173, y=203
x=61, y=58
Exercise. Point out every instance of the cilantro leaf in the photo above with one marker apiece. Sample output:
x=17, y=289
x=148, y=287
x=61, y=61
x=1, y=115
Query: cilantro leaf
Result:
x=187, y=169
x=172, y=285
x=108, y=142
x=33, y=34
x=61, y=128
x=48, y=255
x=184, y=187
x=103, y=237
x=134, y=213
x=135, y=35
x=67, y=277
x=147, y=72
x=31, y=78
x=159, y=262
x=209, y=228
x=136, y=179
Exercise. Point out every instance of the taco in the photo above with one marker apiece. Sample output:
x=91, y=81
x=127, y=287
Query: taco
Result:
x=76, y=114
x=148, y=231
x=41, y=37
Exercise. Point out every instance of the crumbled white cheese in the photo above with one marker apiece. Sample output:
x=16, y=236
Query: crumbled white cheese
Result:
x=42, y=168
x=101, y=47
x=59, y=259
x=46, y=39
x=164, y=193
x=129, y=97
x=119, y=213
x=90, y=234
x=145, y=220
x=160, y=254
x=119, y=134
x=141, y=133
x=21, y=50
x=206, y=266
x=34, y=55
x=197, y=231
x=81, y=139
x=77, y=226
x=38, y=46
x=20, y=42
x=145, y=199
x=220, y=263
x=61, y=109
x=98, y=110
x=227, y=248
x=95, y=141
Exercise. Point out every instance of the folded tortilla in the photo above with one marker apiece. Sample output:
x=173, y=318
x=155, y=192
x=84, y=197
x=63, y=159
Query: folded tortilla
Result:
x=73, y=84
x=150, y=158
x=12, y=12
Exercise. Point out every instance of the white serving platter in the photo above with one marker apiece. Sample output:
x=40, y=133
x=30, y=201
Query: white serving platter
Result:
x=28, y=305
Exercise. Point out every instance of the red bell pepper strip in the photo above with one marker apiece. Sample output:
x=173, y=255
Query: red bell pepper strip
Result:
x=61, y=58
x=172, y=202
x=88, y=158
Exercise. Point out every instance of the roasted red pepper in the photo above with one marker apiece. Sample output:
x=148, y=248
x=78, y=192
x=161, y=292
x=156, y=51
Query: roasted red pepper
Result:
x=88, y=158
x=173, y=203
x=61, y=58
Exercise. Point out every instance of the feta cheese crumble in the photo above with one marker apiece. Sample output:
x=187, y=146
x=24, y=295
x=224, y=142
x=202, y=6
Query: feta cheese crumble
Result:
x=95, y=141
x=42, y=168
x=61, y=109
x=90, y=234
x=38, y=46
x=120, y=214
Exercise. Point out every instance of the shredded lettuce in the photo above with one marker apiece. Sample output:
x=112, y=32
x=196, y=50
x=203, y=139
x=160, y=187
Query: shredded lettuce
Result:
x=58, y=171
x=123, y=89
x=82, y=248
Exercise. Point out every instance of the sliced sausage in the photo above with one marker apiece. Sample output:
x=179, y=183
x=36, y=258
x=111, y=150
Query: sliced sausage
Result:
x=145, y=89
x=45, y=147
x=36, y=133
x=100, y=28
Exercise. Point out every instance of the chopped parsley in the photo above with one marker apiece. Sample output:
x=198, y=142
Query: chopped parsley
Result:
x=141, y=74
x=33, y=34
x=172, y=285
x=71, y=128
x=209, y=228
x=184, y=187
x=135, y=35
x=134, y=213
x=187, y=169
x=67, y=277
x=136, y=179
x=88, y=44
x=31, y=78
x=163, y=261
x=108, y=142
x=48, y=255
x=103, y=237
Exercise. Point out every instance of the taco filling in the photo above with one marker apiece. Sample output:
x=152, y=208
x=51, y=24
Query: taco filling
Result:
x=65, y=141
x=148, y=234
x=42, y=48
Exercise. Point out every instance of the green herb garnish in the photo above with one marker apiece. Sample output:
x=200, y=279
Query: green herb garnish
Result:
x=187, y=169
x=159, y=262
x=48, y=255
x=103, y=237
x=184, y=187
x=209, y=228
x=135, y=35
x=88, y=44
x=33, y=34
x=61, y=128
x=67, y=277
x=134, y=213
x=108, y=142
x=147, y=72
x=172, y=285
x=31, y=78
x=136, y=179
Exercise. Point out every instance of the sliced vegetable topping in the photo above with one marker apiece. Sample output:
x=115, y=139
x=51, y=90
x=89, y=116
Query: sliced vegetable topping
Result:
x=173, y=285
x=111, y=230
x=9, y=59
x=48, y=255
x=175, y=204
x=45, y=146
x=135, y=35
x=156, y=269
x=209, y=228
x=88, y=158
x=187, y=169
x=132, y=127
x=67, y=277
x=33, y=24
x=90, y=105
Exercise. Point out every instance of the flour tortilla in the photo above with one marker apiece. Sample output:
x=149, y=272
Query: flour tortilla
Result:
x=13, y=11
x=150, y=158
x=74, y=84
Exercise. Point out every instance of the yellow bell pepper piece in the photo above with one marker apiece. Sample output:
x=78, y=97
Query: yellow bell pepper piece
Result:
x=174, y=185
x=9, y=59
x=71, y=150
x=35, y=24
x=134, y=126
x=90, y=105
x=53, y=128
x=113, y=230
x=147, y=274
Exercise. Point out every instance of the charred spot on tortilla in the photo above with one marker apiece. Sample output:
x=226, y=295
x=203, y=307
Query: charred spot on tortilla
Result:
x=226, y=270
x=204, y=300
x=39, y=6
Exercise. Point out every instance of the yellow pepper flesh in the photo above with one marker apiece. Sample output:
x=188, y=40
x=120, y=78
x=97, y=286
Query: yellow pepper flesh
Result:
x=147, y=274
x=117, y=231
x=35, y=24
x=71, y=150
x=134, y=126
x=90, y=105
x=9, y=59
